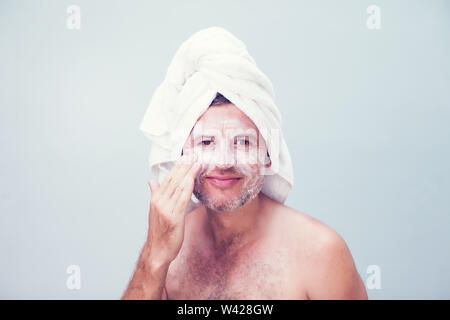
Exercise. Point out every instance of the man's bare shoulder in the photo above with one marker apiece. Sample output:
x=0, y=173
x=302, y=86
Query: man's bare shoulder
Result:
x=304, y=228
x=323, y=254
x=297, y=227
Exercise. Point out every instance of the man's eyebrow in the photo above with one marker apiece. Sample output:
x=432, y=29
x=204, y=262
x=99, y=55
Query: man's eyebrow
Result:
x=245, y=135
x=203, y=135
x=211, y=135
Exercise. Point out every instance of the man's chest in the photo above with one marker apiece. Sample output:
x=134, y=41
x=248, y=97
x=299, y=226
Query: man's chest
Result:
x=258, y=274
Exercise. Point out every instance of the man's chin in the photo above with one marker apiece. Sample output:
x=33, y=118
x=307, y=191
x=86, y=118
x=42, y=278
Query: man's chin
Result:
x=224, y=201
x=220, y=203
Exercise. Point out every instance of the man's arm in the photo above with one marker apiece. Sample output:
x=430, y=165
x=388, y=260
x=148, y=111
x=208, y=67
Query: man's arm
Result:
x=166, y=230
x=333, y=275
x=149, y=279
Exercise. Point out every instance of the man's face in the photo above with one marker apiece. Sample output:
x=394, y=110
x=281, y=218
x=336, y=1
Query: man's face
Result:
x=232, y=153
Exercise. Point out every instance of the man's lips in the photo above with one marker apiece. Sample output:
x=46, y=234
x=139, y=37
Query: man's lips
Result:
x=223, y=177
x=223, y=181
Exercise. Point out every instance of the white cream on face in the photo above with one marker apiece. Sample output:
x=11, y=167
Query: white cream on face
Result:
x=227, y=147
x=230, y=143
x=223, y=201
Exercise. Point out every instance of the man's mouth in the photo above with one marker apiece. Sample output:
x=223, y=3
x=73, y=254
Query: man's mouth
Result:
x=223, y=182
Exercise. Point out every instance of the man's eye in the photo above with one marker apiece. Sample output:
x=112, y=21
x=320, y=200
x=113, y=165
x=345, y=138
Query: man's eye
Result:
x=244, y=142
x=206, y=142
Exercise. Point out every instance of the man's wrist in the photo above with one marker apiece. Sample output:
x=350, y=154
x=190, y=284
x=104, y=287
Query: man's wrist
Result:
x=153, y=264
x=158, y=266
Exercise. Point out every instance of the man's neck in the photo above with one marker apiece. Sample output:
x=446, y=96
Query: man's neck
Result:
x=230, y=231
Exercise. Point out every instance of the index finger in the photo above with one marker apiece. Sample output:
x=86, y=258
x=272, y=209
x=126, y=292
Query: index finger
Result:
x=182, y=164
x=195, y=170
x=184, y=192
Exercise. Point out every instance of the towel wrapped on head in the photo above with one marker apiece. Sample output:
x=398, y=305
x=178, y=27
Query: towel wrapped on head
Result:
x=214, y=61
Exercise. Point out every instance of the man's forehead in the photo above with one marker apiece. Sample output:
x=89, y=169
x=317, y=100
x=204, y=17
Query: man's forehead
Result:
x=232, y=123
x=227, y=127
x=225, y=116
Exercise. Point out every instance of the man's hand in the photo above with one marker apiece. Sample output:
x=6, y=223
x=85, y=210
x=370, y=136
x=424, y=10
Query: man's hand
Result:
x=166, y=230
x=167, y=210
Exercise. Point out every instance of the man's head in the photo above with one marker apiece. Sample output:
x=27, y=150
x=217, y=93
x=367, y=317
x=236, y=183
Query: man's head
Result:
x=229, y=145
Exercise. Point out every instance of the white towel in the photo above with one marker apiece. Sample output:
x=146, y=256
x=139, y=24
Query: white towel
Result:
x=211, y=61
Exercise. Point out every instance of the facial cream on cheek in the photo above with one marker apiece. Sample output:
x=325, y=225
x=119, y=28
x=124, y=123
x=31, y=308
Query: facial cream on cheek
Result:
x=211, y=159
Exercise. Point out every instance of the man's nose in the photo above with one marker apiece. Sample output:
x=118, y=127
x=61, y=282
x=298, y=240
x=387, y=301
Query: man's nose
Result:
x=225, y=156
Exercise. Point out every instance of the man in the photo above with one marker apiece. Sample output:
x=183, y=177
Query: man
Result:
x=218, y=226
x=239, y=244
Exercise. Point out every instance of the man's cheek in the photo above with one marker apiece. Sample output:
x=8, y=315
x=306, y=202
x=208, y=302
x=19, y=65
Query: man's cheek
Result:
x=247, y=157
x=250, y=171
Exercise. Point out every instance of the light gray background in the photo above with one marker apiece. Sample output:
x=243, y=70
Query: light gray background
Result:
x=366, y=118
